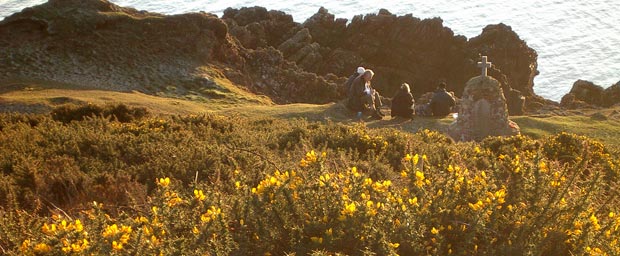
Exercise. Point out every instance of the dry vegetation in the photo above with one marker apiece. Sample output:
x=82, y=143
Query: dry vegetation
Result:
x=86, y=181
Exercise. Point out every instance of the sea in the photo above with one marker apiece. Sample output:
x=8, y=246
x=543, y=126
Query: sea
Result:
x=575, y=39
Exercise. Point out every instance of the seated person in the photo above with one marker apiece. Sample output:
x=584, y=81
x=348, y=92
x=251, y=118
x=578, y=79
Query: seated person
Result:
x=442, y=102
x=348, y=87
x=402, y=103
x=364, y=98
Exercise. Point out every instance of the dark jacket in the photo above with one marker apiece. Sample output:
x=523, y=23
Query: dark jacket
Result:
x=402, y=104
x=442, y=103
x=348, y=83
x=355, y=94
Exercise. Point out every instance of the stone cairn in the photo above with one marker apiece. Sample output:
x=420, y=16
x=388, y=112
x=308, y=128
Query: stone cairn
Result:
x=483, y=110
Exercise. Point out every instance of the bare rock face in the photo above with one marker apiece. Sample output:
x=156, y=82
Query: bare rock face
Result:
x=401, y=49
x=611, y=95
x=587, y=94
x=256, y=27
x=582, y=94
x=96, y=43
x=511, y=57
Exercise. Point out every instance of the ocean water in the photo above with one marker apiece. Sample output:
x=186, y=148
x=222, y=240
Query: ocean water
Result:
x=575, y=39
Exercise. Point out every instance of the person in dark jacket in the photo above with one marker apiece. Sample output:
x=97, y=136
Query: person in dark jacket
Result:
x=348, y=86
x=442, y=102
x=364, y=98
x=402, y=103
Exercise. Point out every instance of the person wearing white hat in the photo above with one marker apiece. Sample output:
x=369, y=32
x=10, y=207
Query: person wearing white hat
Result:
x=364, y=97
x=349, y=88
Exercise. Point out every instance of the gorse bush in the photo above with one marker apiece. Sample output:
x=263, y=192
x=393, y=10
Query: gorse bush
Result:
x=120, y=112
x=213, y=185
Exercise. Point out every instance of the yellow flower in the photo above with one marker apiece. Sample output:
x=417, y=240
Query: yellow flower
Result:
x=48, y=229
x=349, y=209
x=78, y=226
x=111, y=230
x=434, y=231
x=210, y=214
x=117, y=246
x=199, y=195
x=408, y=157
x=25, y=246
x=477, y=206
x=594, y=222
x=414, y=201
x=316, y=240
x=394, y=245
x=42, y=248
x=419, y=176
x=329, y=232
x=164, y=182
x=124, y=238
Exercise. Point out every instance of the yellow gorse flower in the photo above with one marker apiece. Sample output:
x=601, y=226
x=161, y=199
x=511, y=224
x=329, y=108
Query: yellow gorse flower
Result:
x=211, y=214
x=317, y=240
x=164, y=182
x=111, y=230
x=117, y=246
x=349, y=209
x=310, y=158
x=42, y=248
x=199, y=195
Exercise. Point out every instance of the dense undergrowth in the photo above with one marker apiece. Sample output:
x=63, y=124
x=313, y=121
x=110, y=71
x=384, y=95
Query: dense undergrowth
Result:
x=215, y=185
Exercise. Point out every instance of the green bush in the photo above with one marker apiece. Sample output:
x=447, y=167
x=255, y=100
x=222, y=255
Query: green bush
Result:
x=269, y=186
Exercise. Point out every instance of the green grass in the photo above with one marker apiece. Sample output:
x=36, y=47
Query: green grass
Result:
x=234, y=100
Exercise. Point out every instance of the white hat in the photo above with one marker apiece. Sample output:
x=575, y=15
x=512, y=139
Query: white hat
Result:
x=361, y=70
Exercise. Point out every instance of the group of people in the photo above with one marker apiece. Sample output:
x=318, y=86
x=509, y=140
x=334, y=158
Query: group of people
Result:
x=363, y=99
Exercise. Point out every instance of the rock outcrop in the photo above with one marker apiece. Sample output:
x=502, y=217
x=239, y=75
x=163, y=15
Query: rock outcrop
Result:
x=587, y=94
x=399, y=48
x=96, y=43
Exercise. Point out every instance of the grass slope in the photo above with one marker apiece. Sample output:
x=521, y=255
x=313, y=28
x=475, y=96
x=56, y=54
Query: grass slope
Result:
x=602, y=125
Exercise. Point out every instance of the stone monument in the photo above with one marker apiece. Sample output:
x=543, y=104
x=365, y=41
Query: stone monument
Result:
x=483, y=110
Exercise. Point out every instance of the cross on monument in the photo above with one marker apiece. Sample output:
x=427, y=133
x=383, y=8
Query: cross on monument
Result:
x=484, y=65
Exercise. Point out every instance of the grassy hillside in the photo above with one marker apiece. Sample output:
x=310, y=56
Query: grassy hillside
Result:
x=299, y=178
x=602, y=125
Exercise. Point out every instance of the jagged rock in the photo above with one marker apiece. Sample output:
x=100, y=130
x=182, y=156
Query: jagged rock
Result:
x=301, y=39
x=399, y=48
x=256, y=27
x=107, y=46
x=510, y=55
x=282, y=79
x=326, y=30
x=585, y=94
x=583, y=91
x=89, y=42
x=611, y=95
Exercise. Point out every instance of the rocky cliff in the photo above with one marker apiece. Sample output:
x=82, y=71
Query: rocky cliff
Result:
x=96, y=43
x=399, y=48
x=585, y=94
